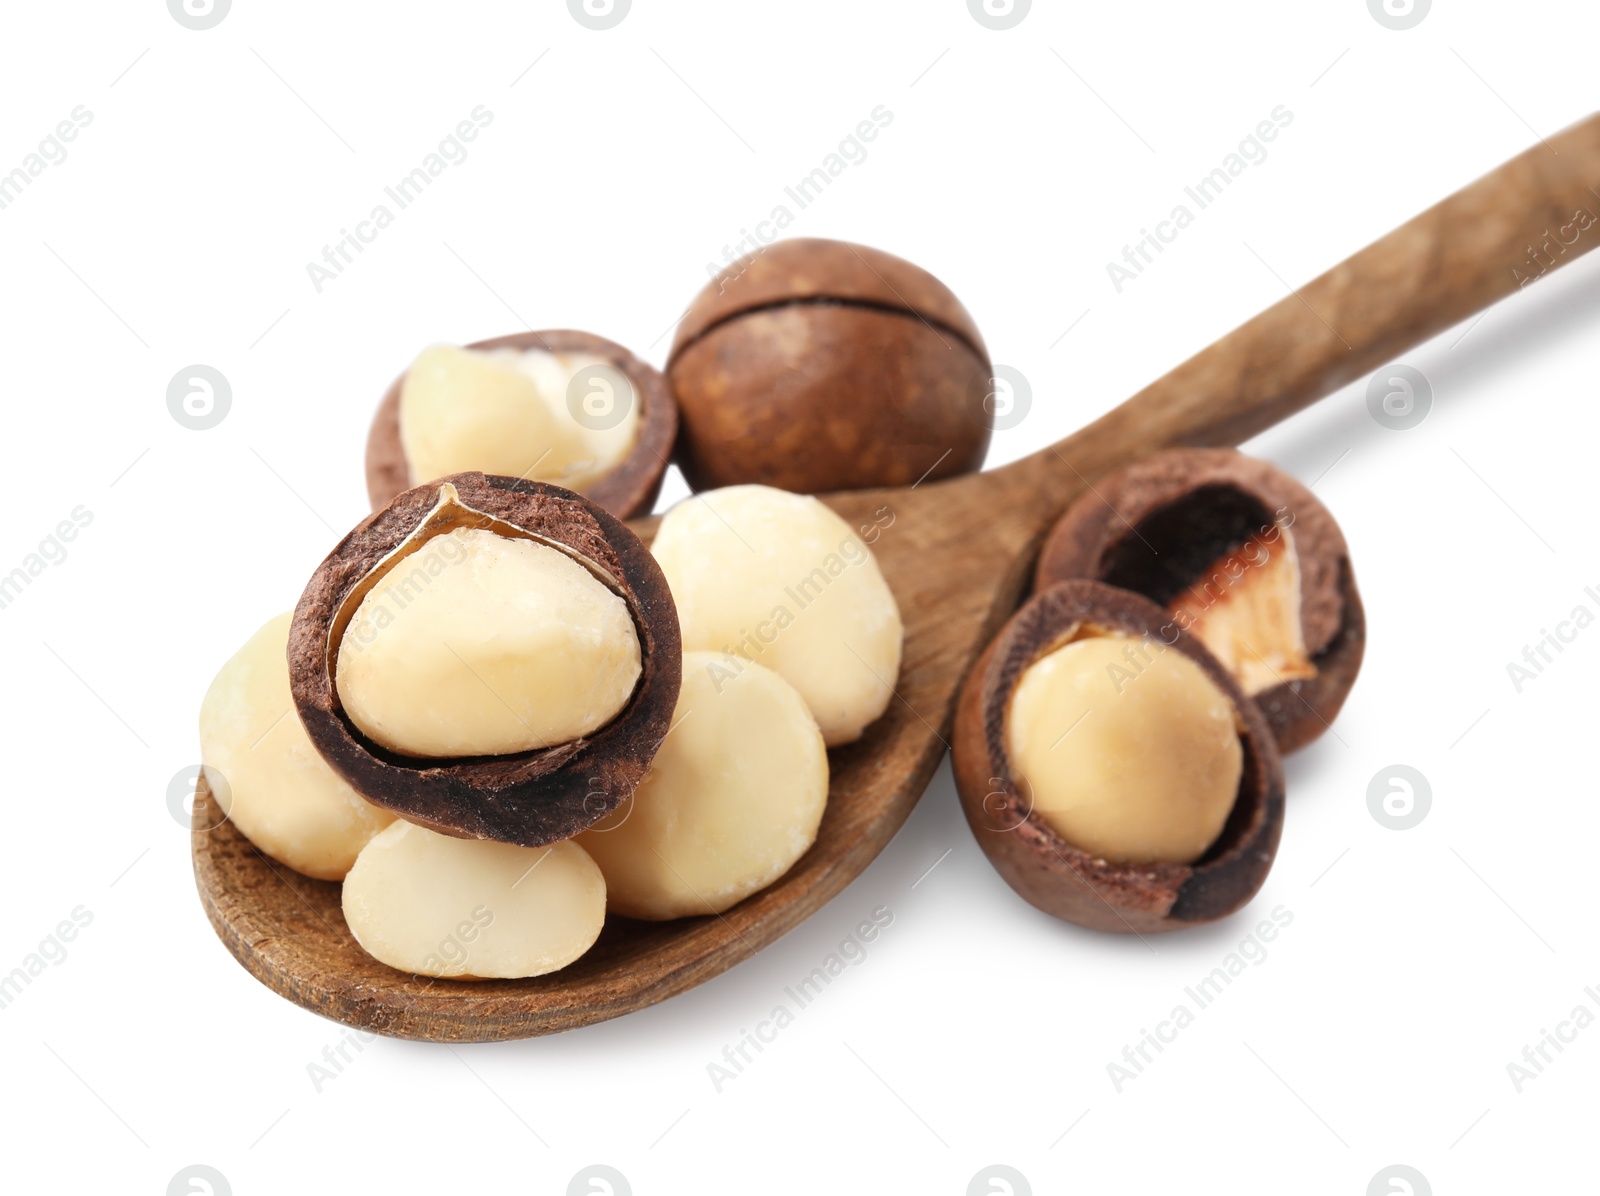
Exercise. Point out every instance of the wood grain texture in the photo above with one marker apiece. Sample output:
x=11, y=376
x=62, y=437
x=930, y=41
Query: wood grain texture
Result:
x=957, y=556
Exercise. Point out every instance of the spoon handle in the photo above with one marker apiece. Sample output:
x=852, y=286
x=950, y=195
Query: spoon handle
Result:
x=1532, y=215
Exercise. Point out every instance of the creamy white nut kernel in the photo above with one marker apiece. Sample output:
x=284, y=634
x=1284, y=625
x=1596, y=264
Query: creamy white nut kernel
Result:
x=472, y=908
x=780, y=579
x=278, y=790
x=732, y=800
x=1126, y=749
x=506, y=411
x=479, y=644
x=1246, y=610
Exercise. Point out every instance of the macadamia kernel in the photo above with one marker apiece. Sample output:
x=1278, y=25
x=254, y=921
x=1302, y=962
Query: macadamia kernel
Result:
x=1126, y=749
x=265, y=773
x=779, y=579
x=567, y=418
x=732, y=800
x=1246, y=610
x=472, y=908
x=479, y=644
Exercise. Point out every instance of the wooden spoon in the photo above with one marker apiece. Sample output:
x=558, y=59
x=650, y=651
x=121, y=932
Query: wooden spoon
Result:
x=957, y=554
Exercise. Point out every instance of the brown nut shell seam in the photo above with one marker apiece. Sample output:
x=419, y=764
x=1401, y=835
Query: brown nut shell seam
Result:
x=816, y=365
x=815, y=269
x=1157, y=525
x=528, y=798
x=627, y=490
x=1038, y=863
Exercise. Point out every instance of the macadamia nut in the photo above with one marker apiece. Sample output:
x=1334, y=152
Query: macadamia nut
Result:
x=567, y=418
x=780, y=579
x=472, y=908
x=479, y=644
x=733, y=799
x=266, y=775
x=1126, y=749
x=1246, y=610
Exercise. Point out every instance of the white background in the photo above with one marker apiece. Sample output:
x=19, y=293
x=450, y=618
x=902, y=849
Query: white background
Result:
x=1018, y=163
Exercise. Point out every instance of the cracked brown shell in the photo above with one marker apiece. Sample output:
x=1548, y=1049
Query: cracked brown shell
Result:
x=528, y=798
x=816, y=365
x=629, y=489
x=1155, y=526
x=1038, y=863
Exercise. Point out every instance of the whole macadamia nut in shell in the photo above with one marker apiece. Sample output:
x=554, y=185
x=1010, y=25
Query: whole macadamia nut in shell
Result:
x=815, y=365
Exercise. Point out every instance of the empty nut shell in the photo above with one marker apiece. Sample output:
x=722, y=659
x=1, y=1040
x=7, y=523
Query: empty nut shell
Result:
x=529, y=797
x=1057, y=876
x=628, y=489
x=815, y=365
x=1249, y=559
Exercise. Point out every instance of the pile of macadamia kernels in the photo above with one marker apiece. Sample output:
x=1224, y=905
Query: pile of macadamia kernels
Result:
x=497, y=717
x=484, y=714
